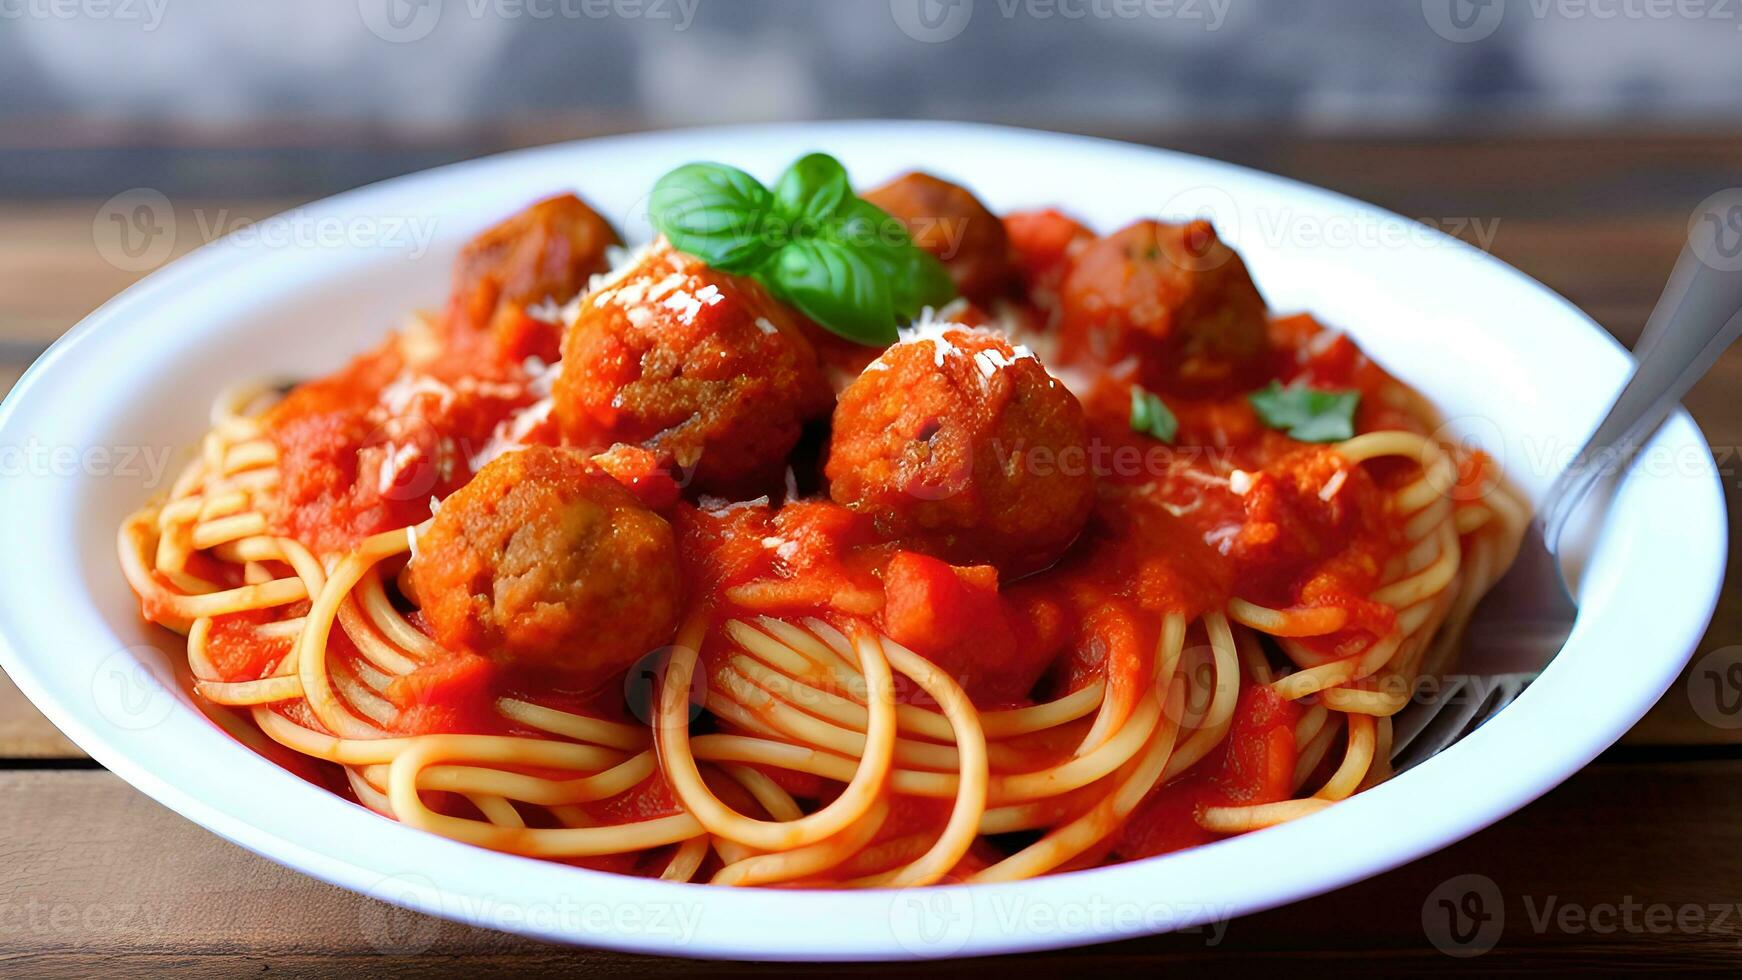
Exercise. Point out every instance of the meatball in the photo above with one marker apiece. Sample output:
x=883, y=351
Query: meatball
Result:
x=546, y=252
x=1175, y=298
x=1042, y=246
x=963, y=447
x=544, y=561
x=692, y=362
x=948, y=221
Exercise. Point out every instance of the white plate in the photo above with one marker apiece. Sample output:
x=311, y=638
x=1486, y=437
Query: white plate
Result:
x=1516, y=367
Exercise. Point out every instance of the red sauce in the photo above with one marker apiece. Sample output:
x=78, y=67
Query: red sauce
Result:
x=1254, y=764
x=364, y=450
x=1231, y=508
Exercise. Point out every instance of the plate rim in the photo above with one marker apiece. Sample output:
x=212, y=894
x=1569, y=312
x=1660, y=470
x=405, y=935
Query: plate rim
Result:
x=737, y=941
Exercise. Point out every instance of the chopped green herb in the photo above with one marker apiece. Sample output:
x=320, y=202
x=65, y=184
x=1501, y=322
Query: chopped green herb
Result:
x=839, y=259
x=1151, y=416
x=1307, y=414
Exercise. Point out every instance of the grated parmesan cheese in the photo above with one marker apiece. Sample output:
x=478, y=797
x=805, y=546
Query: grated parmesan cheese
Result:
x=398, y=458
x=510, y=433
x=720, y=505
x=1222, y=538
x=397, y=396
x=684, y=305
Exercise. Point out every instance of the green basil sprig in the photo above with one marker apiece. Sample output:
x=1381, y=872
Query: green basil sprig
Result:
x=1307, y=414
x=1151, y=416
x=841, y=260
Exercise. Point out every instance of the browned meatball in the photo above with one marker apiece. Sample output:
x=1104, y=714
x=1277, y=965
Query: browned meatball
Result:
x=948, y=221
x=693, y=362
x=542, y=560
x=546, y=252
x=1175, y=298
x=963, y=447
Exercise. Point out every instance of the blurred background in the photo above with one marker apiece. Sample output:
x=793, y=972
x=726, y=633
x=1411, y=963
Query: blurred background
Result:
x=281, y=95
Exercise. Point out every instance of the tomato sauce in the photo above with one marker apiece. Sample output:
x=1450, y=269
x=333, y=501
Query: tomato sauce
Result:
x=1227, y=508
x=366, y=449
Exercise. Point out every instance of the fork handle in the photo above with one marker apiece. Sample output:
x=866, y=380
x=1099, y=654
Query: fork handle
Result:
x=1698, y=316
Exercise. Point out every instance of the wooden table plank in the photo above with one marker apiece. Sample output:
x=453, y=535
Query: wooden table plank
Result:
x=59, y=260
x=25, y=733
x=97, y=875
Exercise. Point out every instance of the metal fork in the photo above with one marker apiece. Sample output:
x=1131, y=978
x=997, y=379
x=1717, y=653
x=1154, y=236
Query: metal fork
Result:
x=1526, y=618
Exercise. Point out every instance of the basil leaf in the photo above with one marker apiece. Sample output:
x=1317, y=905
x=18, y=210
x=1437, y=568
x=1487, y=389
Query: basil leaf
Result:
x=864, y=225
x=1307, y=414
x=843, y=261
x=714, y=212
x=916, y=278
x=811, y=189
x=923, y=281
x=837, y=286
x=1151, y=416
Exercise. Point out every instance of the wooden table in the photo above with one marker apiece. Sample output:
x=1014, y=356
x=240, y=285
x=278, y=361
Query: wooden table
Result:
x=1635, y=863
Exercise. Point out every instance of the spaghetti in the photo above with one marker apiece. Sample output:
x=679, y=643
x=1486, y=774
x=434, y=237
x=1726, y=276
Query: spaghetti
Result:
x=852, y=697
